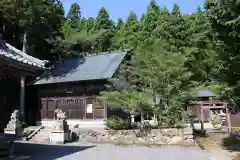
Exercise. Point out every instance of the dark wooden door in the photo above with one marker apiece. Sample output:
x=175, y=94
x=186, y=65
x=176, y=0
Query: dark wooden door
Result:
x=48, y=106
x=51, y=107
x=77, y=109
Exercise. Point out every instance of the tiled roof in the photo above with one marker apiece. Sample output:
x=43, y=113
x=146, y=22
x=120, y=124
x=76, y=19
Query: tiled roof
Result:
x=79, y=68
x=9, y=51
x=206, y=93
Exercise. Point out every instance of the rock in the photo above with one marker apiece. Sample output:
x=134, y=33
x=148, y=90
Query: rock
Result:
x=175, y=140
x=131, y=137
x=166, y=139
x=141, y=140
x=114, y=138
x=188, y=142
x=156, y=133
x=188, y=131
x=138, y=133
x=158, y=137
x=188, y=136
x=93, y=134
x=160, y=142
x=171, y=132
x=111, y=132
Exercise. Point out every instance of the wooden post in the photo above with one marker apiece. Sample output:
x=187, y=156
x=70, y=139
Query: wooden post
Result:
x=202, y=119
x=229, y=121
x=105, y=108
x=22, y=98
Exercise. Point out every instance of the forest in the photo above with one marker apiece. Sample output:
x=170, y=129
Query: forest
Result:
x=171, y=53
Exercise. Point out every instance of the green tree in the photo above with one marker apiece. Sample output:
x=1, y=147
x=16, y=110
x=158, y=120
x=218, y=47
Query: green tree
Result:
x=131, y=30
x=203, y=60
x=74, y=15
x=120, y=23
x=129, y=102
x=102, y=20
x=105, y=26
x=161, y=72
x=224, y=18
x=150, y=21
x=89, y=25
x=32, y=23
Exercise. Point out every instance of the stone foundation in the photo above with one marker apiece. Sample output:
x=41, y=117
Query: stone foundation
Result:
x=153, y=137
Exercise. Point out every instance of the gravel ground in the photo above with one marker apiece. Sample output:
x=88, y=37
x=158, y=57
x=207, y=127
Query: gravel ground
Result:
x=107, y=152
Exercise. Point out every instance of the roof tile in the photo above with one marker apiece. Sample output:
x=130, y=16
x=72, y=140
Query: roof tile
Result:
x=9, y=51
x=78, y=68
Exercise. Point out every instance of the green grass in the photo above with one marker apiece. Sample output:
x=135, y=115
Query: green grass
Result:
x=220, y=141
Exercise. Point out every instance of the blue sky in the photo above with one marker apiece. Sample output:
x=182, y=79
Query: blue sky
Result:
x=121, y=8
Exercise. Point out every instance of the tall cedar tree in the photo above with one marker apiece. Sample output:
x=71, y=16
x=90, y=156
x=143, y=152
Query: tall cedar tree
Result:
x=32, y=23
x=104, y=26
x=150, y=20
x=224, y=18
x=74, y=15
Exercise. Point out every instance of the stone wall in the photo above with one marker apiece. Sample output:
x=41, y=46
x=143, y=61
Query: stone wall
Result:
x=152, y=137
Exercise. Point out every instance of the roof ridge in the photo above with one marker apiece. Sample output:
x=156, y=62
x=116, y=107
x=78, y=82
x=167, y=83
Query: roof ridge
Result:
x=103, y=53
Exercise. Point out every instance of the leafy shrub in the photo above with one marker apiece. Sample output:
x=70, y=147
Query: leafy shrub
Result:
x=116, y=123
x=216, y=122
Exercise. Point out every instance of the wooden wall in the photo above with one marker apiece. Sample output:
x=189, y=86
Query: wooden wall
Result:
x=72, y=98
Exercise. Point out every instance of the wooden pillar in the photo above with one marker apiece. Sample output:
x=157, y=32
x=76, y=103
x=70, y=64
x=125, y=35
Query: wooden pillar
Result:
x=22, y=98
x=228, y=118
x=202, y=119
x=105, y=108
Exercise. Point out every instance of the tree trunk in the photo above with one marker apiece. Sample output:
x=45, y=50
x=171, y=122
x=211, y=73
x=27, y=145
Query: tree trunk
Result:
x=3, y=29
x=142, y=117
x=24, y=46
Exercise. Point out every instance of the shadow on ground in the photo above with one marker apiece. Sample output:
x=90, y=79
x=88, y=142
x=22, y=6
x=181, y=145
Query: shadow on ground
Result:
x=45, y=152
x=231, y=143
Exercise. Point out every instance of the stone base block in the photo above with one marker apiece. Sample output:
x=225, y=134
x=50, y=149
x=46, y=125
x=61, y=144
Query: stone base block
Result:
x=59, y=137
x=10, y=132
x=13, y=132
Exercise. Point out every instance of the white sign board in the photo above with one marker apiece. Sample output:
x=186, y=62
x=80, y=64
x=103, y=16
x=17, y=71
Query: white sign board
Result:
x=89, y=108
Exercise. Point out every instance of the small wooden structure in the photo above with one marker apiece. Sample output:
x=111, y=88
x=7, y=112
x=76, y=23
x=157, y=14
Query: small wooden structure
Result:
x=206, y=109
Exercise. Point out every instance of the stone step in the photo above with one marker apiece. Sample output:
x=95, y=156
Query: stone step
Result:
x=45, y=137
x=42, y=133
x=42, y=136
x=34, y=132
x=41, y=140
